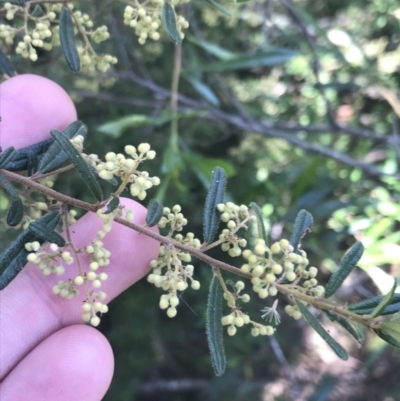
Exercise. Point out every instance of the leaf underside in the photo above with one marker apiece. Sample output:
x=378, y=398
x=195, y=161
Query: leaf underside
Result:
x=302, y=225
x=262, y=233
x=154, y=212
x=14, y=258
x=214, y=197
x=168, y=19
x=214, y=327
x=67, y=39
x=347, y=265
x=84, y=170
x=337, y=348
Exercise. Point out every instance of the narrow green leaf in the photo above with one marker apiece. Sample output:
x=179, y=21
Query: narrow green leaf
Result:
x=204, y=90
x=5, y=65
x=260, y=222
x=55, y=157
x=263, y=58
x=345, y=323
x=67, y=38
x=386, y=300
x=367, y=306
x=339, y=350
x=347, y=264
x=112, y=205
x=7, y=156
x=16, y=211
x=33, y=163
x=41, y=230
x=389, y=332
x=213, y=49
x=117, y=127
x=20, y=162
x=154, y=212
x=389, y=310
x=14, y=258
x=219, y=7
x=214, y=327
x=169, y=23
x=83, y=168
x=302, y=226
x=214, y=197
x=371, y=303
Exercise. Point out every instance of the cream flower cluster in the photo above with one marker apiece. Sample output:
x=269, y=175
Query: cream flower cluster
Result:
x=173, y=218
x=43, y=32
x=235, y=218
x=52, y=260
x=176, y=276
x=147, y=20
x=237, y=318
x=37, y=31
x=117, y=165
x=266, y=264
x=49, y=261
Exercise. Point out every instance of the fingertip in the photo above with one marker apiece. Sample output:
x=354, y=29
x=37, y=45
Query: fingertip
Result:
x=31, y=106
x=74, y=363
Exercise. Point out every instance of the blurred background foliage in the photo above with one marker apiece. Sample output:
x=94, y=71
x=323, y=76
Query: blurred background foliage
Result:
x=299, y=102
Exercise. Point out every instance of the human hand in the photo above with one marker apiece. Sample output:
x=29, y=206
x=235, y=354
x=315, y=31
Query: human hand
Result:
x=46, y=353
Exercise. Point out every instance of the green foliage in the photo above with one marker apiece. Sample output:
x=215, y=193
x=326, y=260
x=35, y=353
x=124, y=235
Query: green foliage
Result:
x=55, y=157
x=154, y=212
x=7, y=156
x=41, y=230
x=347, y=264
x=347, y=325
x=112, y=205
x=169, y=22
x=5, y=65
x=243, y=112
x=389, y=332
x=16, y=211
x=337, y=348
x=386, y=301
x=367, y=306
x=262, y=233
x=265, y=58
x=214, y=327
x=302, y=225
x=67, y=38
x=14, y=258
x=77, y=160
x=21, y=160
x=218, y=6
x=214, y=197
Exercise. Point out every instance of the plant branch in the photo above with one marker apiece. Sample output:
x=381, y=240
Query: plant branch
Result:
x=286, y=289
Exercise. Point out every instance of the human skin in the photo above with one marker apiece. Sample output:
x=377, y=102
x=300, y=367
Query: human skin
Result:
x=46, y=352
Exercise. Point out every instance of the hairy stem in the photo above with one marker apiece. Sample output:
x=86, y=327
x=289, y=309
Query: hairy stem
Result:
x=286, y=289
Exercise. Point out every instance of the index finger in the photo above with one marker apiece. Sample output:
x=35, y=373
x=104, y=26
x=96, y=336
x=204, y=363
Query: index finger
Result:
x=30, y=107
x=29, y=312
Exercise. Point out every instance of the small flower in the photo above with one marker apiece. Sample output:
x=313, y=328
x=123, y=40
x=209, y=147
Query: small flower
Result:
x=271, y=315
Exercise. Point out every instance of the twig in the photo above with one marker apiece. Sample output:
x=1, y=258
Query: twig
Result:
x=286, y=289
